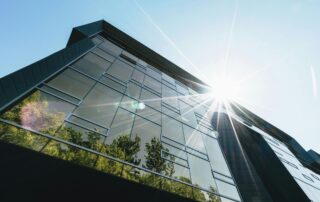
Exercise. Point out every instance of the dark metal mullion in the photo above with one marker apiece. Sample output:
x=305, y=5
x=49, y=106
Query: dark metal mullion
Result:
x=174, y=162
x=197, y=150
x=54, y=95
x=135, y=113
x=222, y=174
x=97, y=81
x=109, y=76
x=175, y=141
x=152, y=91
x=166, y=84
x=174, y=155
x=84, y=127
x=171, y=116
x=198, y=156
x=100, y=56
x=84, y=119
x=170, y=107
x=217, y=178
x=54, y=88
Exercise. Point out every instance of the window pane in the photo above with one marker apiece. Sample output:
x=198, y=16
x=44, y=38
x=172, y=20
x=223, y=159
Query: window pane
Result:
x=103, y=54
x=120, y=70
x=182, y=89
x=142, y=63
x=201, y=173
x=87, y=124
x=130, y=56
x=217, y=160
x=121, y=125
x=147, y=131
x=153, y=73
x=113, y=84
x=92, y=65
x=223, y=178
x=172, y=129
x=129, y=104
x=150, y=99
x=39, y=111
x=227, y=190
x=133, y=90
x=168, y=79
x=194, y=139
x=168, y=111
x=149, y=113
x=51, y=90
x=197, y=153
x=72, y=83
x=80, y=136
x=175, y=151
x=187, y=114
x=138, y=76
x=176, y=160
x=170, y=97
x=178, y=172
x=201, y=110
x=152, y=84
x=96, y=40
x=21, y=137
x=100, y=105
x=207, y=130
x=110, y=48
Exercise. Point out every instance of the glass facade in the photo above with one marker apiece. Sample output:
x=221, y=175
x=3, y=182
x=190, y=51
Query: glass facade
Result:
x=113, y=112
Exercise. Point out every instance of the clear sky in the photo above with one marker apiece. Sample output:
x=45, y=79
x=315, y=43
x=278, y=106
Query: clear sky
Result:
x=273, y=46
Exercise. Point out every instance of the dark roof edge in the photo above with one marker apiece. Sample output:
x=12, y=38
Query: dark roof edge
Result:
x=136, y=48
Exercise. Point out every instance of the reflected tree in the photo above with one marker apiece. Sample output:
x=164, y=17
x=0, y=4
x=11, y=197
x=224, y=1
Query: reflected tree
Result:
x=154, y=160
x=33, y=113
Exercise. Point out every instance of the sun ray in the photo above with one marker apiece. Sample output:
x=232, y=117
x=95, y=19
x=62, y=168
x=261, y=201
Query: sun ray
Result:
x=169, y=40
x=314, y=82
x=228, y=109
x=230, y=37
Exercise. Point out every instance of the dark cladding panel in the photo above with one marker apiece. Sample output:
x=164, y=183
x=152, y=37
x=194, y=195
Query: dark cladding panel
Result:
x=2, y=96
x=249, y=183
x=256, y=168
x=270, y=169
x=20, y=83
x=37, y=72
x=13, y=86
x=8, y=87
x=27, y=73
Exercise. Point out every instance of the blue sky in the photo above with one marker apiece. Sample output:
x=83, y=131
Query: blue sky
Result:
x=272, y=45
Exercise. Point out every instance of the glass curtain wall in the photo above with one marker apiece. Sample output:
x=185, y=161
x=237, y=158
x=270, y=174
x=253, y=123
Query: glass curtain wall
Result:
x=115, y=113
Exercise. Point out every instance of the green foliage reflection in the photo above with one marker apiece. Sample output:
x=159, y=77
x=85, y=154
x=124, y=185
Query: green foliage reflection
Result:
x=34, y=112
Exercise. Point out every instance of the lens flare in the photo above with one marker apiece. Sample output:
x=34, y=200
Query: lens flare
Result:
x=224, y=89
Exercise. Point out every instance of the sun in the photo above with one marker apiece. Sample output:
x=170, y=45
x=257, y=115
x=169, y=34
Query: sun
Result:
x=224, y=89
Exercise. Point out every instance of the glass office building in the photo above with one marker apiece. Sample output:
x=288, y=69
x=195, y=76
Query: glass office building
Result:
x=113, y=112
x=111, y=105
